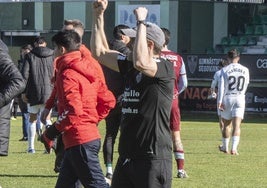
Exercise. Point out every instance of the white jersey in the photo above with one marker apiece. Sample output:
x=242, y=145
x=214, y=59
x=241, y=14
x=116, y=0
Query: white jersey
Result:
x=214, y=84
x=234, y=80
x=182, y=83
x=232, y=88
x=216, y=79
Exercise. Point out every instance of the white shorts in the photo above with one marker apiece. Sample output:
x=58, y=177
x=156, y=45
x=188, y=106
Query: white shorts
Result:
x=234, y=106
x=36, y=108
x=218, y=110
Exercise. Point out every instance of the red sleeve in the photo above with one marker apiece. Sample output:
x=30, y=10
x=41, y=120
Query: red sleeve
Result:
x=105, y=101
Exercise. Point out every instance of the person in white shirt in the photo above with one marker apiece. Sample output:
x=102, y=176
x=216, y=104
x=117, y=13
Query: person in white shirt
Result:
x=232, y=88
x=214, y=85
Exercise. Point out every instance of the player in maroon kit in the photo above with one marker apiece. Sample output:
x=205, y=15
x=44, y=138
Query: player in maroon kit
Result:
x=180, y=85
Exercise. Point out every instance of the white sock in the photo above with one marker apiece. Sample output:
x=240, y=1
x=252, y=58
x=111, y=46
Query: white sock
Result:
x=178, y=155
x=225, y=142
x=109, y=169
x=31, y=135
x=235, y=142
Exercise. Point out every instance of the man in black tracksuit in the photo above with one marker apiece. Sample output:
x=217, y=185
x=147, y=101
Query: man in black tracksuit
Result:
x=115, y=82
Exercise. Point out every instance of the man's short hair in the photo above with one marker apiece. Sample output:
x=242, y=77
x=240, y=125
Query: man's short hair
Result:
x=69, y=39
x=77, y=26
x=39, y=40
x=76, y=23
x=167, y=34
x=233, y=54
x=223, y=62
x=26, y=47
x=117, y=33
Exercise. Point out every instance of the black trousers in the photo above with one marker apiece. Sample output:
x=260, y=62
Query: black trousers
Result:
x=112, y=129
x=81, y=162
x=142, y=173
x=5, y=113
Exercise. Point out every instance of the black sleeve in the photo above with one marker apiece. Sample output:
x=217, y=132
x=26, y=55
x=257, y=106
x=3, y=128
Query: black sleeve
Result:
x=12, y=82
x=3, y=46
x=124, y=65
x=26, y=67
x=165, y=70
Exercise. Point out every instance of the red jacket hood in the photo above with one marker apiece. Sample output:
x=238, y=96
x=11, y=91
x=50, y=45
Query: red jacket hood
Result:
x=76, y=61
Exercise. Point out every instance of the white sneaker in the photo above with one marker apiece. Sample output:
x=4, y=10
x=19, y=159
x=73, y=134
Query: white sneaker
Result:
x=182, y=174
x=222, y=149
x=233, y=152
x=31, y=151
x=108, y=181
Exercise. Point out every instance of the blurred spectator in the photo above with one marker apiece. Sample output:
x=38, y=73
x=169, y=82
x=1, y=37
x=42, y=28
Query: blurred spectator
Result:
x=38, y=71
x=12, y=84
x=22, y=105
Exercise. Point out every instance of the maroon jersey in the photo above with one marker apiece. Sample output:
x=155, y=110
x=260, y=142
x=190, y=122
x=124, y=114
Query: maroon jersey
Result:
x=175, y=119
x=177, y=65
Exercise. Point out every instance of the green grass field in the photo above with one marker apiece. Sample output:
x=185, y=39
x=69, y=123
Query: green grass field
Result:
x=205, y=165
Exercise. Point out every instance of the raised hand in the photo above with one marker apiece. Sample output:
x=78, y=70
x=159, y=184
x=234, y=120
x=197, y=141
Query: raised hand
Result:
x=100, y=6
x=140, y=13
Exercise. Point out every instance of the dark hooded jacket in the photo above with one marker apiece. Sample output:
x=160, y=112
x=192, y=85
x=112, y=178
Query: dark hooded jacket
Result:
x=114, y=79
x=11, y=85
x=38, y=71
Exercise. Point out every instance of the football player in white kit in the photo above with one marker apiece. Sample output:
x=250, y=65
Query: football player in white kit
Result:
x=232, y=88
x=214, y=84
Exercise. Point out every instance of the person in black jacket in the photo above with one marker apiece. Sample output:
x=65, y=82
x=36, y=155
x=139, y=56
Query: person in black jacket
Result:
x=115, y=83
x=38, y=71
x=22, y=105
x=12, y=84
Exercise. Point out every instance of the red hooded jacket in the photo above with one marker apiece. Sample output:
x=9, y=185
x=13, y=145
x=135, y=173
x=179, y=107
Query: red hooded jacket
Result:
x=83, y=99
x=93, y=65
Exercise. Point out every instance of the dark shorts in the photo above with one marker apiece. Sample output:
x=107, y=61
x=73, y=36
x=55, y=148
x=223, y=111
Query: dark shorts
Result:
x=142, y=174
x=175, y=119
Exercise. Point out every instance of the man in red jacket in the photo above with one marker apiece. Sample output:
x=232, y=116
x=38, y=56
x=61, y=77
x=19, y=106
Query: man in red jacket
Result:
x=83, y=101
x=77, y=26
